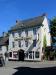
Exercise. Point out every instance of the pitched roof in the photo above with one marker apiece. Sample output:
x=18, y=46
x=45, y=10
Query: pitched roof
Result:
x=36, y=21
x=4, y=41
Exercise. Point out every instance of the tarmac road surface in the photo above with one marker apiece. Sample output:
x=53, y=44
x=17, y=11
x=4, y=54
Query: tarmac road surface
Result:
x=18, y=68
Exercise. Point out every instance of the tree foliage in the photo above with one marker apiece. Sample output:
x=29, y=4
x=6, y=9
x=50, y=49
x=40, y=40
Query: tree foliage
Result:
x=44, y=42
x=53, y=29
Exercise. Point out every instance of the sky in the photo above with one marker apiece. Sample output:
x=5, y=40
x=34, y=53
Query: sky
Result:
x=12, y=10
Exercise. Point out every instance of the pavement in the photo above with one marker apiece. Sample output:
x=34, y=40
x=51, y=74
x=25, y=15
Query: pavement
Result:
x=13, y=67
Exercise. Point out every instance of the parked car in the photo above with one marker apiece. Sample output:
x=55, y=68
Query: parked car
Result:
x=2, y=62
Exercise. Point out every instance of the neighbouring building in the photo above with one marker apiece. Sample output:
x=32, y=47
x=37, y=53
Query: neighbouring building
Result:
x=26, y=39
x=4, y=42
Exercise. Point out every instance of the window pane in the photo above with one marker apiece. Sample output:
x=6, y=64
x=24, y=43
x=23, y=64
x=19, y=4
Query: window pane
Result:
x=10, y=54
x=19, y=43
x=0, y=48
x=36, y=54
x=38, y=36
x=26, y=43
x=30, y=55
x=34, y=30
x=13, y=34
x=26, y=55
x=15, y=54
x=34, y=43
x=33, y=54
x=26, y=31
x=13, y=44
x=19, y=33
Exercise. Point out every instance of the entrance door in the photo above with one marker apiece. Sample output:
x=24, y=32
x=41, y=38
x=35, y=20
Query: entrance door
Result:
x=21, y=55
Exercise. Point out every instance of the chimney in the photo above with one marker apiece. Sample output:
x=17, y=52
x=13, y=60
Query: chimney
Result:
x=17, y=22
x=44, y=14
x=4, y=34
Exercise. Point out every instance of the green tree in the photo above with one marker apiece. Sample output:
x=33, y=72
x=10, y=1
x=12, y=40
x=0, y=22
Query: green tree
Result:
x=44, y=42
x=53, y=30
x=46, y=50
x=53, y=33
x=44, y=46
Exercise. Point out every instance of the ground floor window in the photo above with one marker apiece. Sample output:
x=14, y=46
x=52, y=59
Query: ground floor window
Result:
x=10, y=54
x=26, y=55
x=33, y=54
x=30, y=55
x=15, y=54
x=36, y=54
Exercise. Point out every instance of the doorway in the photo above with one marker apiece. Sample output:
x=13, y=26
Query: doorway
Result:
x=21, y=55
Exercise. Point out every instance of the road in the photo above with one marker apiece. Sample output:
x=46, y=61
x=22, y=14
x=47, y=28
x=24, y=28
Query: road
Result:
x=15, y=68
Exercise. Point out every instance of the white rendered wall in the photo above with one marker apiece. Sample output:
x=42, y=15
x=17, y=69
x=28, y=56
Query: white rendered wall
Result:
x=46, y=31
x=43, y=30
x=4, y=49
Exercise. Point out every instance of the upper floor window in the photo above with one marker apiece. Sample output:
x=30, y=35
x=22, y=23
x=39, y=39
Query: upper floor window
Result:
x=19, y=43
x=13, y=44
x=26, y=31
x=34, y=30
x=19, y=33
x=26, y=43
x=38, y=36
x=34, y=43
x=0, y=48
x=13, y=34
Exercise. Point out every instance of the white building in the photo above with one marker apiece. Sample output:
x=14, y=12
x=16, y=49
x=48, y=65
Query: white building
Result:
x=4, y=46
x=27, y=36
